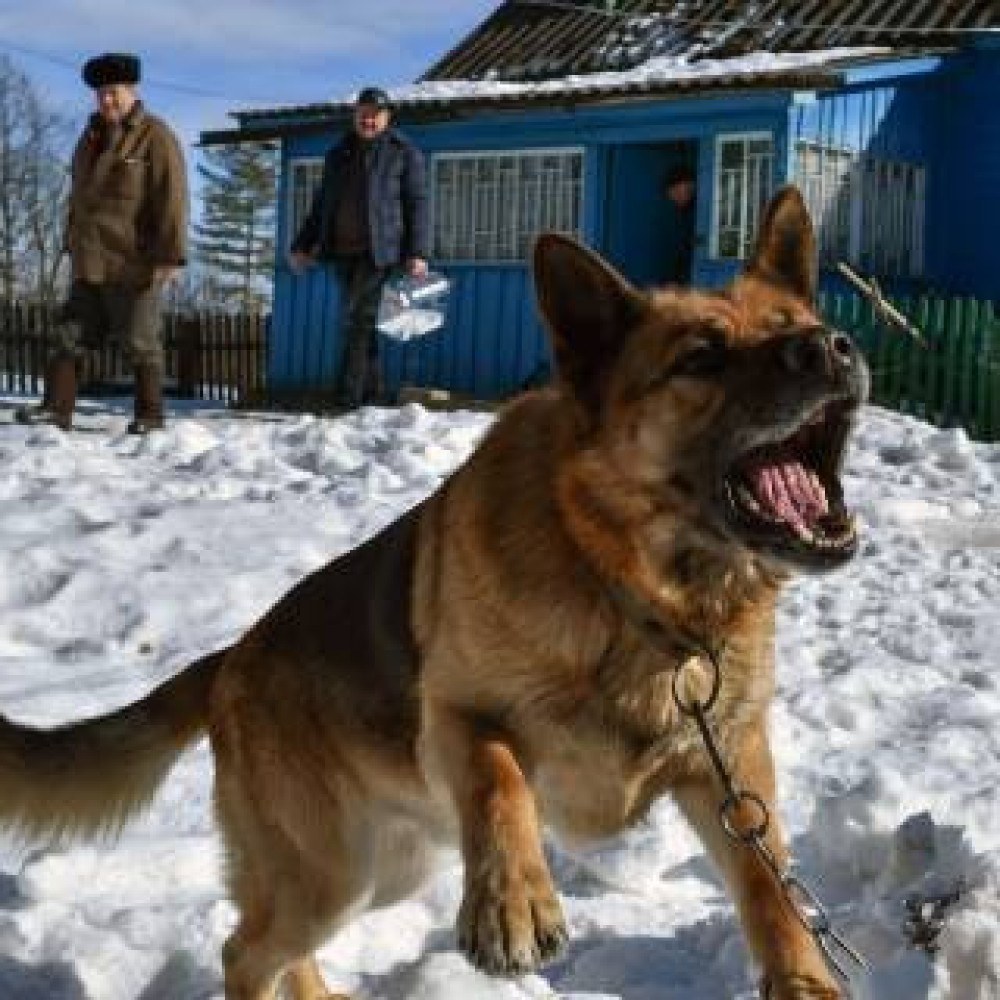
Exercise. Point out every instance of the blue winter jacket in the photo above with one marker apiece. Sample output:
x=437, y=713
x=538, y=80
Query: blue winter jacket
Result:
x=397, y=202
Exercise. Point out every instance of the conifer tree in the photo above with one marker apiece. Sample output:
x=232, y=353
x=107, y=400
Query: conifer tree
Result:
x=234, y=240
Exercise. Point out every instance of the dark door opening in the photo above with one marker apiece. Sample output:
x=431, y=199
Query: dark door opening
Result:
x=644, y=229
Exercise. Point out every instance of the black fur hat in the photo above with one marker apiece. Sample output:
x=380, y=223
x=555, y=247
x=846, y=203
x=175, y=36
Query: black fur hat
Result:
x=110, y=68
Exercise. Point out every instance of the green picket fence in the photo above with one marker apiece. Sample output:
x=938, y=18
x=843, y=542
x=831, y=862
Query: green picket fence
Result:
x=953, y=382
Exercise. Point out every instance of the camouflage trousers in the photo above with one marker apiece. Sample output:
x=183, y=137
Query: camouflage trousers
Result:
x=94, y=314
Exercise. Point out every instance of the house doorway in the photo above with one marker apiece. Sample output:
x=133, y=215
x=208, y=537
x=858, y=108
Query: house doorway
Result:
x=643, y=229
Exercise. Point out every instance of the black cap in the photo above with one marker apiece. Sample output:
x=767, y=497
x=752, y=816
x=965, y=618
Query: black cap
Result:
x=374, y=96
x=111, y=68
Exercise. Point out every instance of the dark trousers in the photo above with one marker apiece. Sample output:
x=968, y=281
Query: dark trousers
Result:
x=360, y=378
x=94, y=314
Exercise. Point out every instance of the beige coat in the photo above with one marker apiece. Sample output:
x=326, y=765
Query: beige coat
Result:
x=128, y=204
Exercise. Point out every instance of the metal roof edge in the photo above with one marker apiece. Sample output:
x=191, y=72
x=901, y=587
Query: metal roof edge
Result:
x=778, y=79
x=893, y=68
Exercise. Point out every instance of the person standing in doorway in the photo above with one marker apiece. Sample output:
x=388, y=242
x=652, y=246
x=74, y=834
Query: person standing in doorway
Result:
x=127, y=240
x=679, y=186
x=368, y=216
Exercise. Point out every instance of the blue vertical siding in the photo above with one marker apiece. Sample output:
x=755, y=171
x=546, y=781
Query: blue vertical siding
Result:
x=947, y=119
x=964, y=223
x=305, y=342
x=493, y=341
x=943, y=114
x=891, y=120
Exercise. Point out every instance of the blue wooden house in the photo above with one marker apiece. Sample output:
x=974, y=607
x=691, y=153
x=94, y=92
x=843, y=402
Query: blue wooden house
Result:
x=567, y=115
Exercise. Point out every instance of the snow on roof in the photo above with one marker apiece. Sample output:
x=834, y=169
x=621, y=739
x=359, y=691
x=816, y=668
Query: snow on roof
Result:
x=660, y=73
x=659, y=70
x=546, y=39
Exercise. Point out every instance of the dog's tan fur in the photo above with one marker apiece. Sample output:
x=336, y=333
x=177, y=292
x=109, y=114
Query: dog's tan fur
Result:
x=468, y=674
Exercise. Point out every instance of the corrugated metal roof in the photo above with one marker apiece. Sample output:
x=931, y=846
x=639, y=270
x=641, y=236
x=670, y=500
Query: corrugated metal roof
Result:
x=532, y=53
x=544, y=39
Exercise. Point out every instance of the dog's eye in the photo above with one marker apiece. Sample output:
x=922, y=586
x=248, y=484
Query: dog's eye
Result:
x=704, y=358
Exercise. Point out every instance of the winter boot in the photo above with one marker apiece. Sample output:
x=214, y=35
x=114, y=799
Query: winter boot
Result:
x=58, y=399
x=353, y=374
x=148, y=400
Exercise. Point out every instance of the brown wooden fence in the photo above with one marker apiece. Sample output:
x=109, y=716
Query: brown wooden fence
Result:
x=214, y=356
x=953, y=381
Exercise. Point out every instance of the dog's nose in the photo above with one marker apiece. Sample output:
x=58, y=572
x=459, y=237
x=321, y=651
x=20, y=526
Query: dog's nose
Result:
x=818, y=350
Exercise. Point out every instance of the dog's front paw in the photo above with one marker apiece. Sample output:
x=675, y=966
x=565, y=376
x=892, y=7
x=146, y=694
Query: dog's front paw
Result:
x=798, y=988
x=510, y=920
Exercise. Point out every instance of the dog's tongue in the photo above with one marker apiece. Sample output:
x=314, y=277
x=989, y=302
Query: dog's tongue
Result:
x=789, y=491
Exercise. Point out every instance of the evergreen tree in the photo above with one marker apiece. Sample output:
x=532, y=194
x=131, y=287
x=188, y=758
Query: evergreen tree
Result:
x=234, y=241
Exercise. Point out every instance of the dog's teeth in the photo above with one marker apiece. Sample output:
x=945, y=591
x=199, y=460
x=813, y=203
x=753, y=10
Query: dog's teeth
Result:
x=748, y=500
x=803, y=532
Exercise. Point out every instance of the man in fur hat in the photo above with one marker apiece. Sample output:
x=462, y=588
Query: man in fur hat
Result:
x=126, y=238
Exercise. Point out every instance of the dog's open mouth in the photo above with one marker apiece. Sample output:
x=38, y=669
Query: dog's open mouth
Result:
x=786, y=494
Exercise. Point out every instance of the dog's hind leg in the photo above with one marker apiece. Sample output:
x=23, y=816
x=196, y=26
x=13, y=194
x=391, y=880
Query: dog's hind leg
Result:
x=294, y=875
x=285, y=914
x=291, y=898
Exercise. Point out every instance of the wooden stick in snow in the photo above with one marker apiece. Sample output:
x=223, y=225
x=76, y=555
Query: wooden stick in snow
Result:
x=885, y=309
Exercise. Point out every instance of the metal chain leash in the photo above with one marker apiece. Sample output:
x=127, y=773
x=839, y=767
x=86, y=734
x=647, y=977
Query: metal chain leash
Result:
x=801, y=899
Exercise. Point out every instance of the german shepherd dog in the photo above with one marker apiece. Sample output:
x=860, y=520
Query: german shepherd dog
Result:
x=482, y=668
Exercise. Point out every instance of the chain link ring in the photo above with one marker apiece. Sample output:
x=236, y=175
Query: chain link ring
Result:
x=754, y=832
x=694, y=708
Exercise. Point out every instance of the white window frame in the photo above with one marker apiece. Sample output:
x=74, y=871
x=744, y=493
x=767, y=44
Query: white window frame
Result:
x=886, y=229
x=746, y=236
x=294, y=164
x=516, y=234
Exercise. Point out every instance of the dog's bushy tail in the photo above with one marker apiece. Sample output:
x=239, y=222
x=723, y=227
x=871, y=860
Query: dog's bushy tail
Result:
x=86, y=779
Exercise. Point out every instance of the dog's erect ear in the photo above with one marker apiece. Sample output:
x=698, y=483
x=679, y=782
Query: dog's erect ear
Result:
x=785, y=253
x=589, y=309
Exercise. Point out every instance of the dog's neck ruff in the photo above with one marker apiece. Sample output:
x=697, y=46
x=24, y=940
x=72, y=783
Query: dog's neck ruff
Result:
x=650, y=623
x=671, y=638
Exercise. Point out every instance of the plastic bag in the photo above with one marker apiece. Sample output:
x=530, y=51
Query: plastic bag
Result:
x=412, y=307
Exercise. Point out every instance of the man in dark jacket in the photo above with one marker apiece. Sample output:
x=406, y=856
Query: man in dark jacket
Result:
x=368, y=216
x=679, y=186
x=126, y=238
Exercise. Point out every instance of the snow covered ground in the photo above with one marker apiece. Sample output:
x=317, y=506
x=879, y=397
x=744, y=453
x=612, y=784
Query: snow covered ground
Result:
x=124, y=558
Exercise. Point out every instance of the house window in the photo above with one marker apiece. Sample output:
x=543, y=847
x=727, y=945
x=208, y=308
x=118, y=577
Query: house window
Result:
x=744, y=181
x=304, y=180
x=489, y=207
x=867, y=211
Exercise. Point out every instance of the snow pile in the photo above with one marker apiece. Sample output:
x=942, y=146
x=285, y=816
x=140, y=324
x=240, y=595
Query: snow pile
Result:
x=126, y=557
